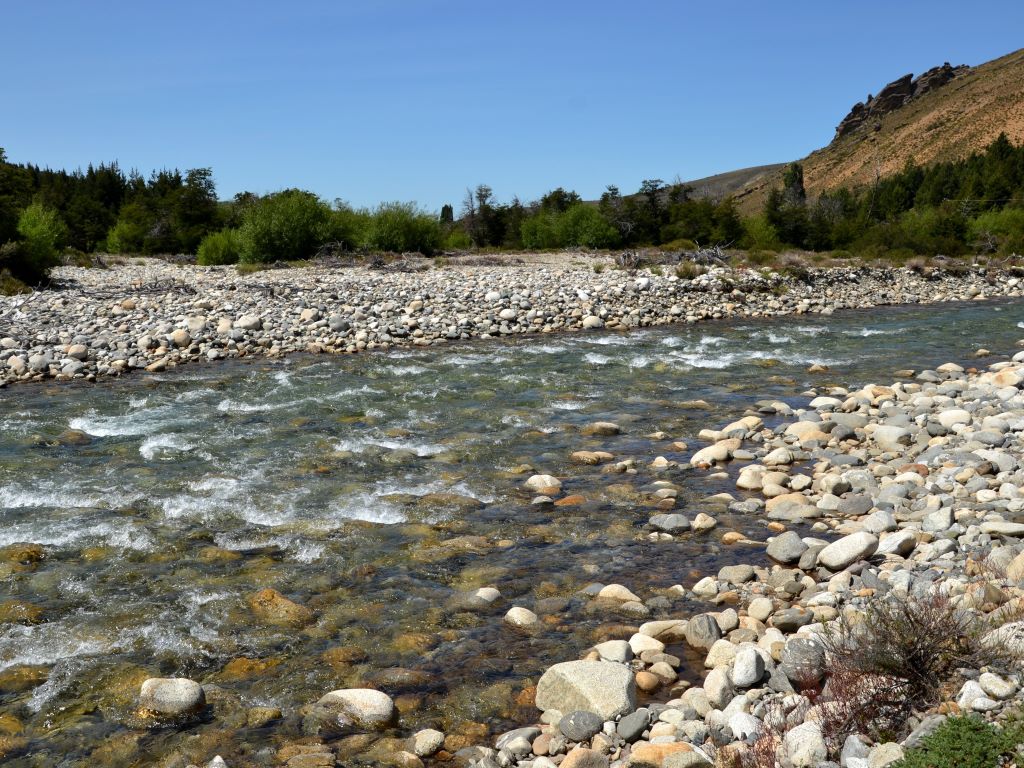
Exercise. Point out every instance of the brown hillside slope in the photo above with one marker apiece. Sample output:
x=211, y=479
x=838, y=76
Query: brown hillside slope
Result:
x=946, y=124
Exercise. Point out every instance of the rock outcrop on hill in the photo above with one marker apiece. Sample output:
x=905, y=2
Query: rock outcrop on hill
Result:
x=897, y=94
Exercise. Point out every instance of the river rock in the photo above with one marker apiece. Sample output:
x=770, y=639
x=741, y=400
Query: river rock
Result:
x=364, y=708
x=426, y=742
x=546, y=484
x=848, y=550
x=805, y=746
x=604, y=688
x=747, y=667
x=171, y=696
x=580, y=725
x=786, y=547
x=521, y=617
x=274, y=608
x=702, y=631
x=582, y=757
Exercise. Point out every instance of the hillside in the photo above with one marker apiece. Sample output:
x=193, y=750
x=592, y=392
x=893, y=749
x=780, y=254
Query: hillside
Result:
x=947, y=123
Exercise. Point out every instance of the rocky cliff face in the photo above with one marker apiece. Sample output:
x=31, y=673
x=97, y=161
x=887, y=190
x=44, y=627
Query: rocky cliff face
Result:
x=895, y=95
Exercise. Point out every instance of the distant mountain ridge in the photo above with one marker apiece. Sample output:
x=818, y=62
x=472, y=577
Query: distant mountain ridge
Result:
x=946, y=113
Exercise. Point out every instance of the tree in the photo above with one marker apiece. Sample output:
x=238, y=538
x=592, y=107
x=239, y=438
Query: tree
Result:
x=793, y=184
x=285, y=226
x=42, y=234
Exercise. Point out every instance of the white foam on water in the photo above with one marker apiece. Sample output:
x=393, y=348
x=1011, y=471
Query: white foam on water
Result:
x=165, y=443
x=812, y=330
x=611, y=341
x=60, y=679
x=45, y=494
x=596, y=359
x=406, y=370
x=640, y=361
x=544, y=349
x=360, y=444
x=376, y=413
x=872, y=332
x=366, y=507
x=140, y=422
x=47, y=643
x=284, y=378
x=568, y=405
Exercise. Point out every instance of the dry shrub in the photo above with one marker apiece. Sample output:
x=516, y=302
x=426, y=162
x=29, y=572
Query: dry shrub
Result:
x=897, y=660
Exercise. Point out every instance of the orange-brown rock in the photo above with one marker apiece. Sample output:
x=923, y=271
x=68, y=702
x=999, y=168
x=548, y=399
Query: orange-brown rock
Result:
x=272, y=607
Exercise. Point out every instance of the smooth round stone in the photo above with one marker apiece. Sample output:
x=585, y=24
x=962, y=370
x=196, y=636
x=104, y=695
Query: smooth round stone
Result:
x=521, y=617
x=171, y=695
x=580, y=725
x=426, y=742
x=365, y=707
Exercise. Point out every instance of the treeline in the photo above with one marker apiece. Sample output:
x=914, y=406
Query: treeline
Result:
x=973, y=205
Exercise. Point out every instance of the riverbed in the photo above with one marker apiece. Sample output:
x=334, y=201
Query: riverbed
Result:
x=380, y=491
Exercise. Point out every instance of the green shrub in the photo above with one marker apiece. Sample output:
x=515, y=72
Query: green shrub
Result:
x=222, y=247
x=584, y=226
x=999, y=231
x=540, y=231
x=965, y=742
x=348, y=226
x=759, y=235
x=458, y=240
x=42, y=233
x=402, y=227
x=285, y=226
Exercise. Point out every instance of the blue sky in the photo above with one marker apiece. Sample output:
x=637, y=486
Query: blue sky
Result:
x=372, y=100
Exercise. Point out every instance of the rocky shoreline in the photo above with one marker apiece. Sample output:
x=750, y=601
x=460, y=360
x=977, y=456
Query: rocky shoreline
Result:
x=900, y=495
x=153, y=316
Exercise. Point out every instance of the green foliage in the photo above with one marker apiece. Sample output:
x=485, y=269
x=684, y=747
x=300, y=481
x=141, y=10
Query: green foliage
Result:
x=966, y=742
x=41, y=234
x=284, y=226
x=348, y=226
x=540, y=231
x=584, y=226
x=402, y=227
x=760, y=235
x=222, y=247
x=457, y=240
x=1001, y=231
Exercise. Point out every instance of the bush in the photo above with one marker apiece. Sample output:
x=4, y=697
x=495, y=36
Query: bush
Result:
x=458, y=240
x=222, y=247
x=999, y=231
x=402, y=227
x=966, y=742
x=759, y=235
x=42, y=233
x=900, y=655
x=540, y=231
x=584, y=226
x=285, y=226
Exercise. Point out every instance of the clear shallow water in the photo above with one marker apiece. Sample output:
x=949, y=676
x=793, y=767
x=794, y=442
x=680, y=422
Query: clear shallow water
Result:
x=162, y=504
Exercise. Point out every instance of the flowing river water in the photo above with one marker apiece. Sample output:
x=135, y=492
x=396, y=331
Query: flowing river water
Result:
x=377, y=491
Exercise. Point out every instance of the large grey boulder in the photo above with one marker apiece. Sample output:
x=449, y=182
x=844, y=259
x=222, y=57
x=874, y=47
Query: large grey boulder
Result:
x=602, y=687
x=848, y=550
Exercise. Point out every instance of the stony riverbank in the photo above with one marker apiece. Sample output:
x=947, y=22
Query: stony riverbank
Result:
x=153, y=316
x=901, y=493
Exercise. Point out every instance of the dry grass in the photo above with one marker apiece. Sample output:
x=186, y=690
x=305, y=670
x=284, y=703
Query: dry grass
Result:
x=947, y=124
